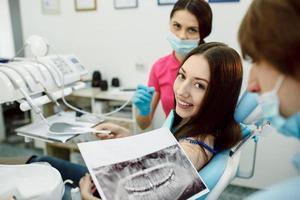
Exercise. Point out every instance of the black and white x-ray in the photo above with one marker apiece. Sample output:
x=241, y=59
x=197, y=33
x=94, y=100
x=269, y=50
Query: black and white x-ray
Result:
x=151, y=165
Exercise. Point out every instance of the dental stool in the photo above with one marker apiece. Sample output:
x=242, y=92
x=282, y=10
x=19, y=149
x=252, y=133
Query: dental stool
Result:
x=223, y=167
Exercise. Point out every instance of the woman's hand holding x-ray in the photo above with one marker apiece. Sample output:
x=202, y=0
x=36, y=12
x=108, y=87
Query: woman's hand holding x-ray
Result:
x=87, y=188
x=116, y=131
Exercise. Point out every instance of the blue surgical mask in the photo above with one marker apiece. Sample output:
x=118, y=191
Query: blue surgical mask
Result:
x=182, y=47
x=269, y=102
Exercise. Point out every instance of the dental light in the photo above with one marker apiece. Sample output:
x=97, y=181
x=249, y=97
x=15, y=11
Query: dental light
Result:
x=38, y=46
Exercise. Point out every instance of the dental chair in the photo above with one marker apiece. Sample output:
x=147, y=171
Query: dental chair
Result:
x=224, y=166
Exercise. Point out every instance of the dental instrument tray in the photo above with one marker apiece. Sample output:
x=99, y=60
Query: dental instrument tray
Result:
x=39, y=130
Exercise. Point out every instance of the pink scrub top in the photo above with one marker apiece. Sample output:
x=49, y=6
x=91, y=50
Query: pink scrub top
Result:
x=162, y=77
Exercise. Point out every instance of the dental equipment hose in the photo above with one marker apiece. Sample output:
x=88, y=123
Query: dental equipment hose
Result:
x=85, y=112
x=36, y=109
x=30, y=101
x=18, y=52
x=48, y=93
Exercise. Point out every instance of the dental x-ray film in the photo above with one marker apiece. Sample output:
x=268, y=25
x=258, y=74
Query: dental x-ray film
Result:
x=151, y=165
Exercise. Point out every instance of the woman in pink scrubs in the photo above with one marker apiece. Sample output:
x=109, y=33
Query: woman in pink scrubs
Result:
x=190, y=23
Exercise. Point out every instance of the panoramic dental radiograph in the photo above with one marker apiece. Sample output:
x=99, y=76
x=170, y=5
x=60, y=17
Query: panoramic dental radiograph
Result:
x=165, y=174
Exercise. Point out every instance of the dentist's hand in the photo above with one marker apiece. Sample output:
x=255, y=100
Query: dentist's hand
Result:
x=143, y=98
x=116, y=131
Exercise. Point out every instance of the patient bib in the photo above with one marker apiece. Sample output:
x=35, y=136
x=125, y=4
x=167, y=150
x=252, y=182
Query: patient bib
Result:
x=31, y=181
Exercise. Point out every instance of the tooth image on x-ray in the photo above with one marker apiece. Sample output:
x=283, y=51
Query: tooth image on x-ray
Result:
x=163, y=175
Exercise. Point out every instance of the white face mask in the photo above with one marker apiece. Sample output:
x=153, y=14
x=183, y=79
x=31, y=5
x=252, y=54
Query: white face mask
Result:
x=182, y=47
x=269, y=102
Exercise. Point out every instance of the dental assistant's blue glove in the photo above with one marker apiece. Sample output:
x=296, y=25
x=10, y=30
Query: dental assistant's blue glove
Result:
x=142, y=99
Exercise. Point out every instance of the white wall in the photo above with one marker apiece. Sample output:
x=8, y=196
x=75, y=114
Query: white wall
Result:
x=113, y=41
x=107, y=39
x=273, y=161
x=7, y=49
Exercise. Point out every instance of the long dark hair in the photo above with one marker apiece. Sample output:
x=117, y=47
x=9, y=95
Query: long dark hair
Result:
x=201, y=10
x=215, y=116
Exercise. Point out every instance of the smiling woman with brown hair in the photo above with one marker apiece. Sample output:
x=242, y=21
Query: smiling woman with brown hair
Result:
x=206, y=91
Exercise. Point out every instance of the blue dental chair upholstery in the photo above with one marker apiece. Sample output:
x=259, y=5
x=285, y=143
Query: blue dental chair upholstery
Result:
x=223, y=167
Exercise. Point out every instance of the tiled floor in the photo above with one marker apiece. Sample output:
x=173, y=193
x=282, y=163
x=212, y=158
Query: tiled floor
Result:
x=236, y=193
x=6, y=150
